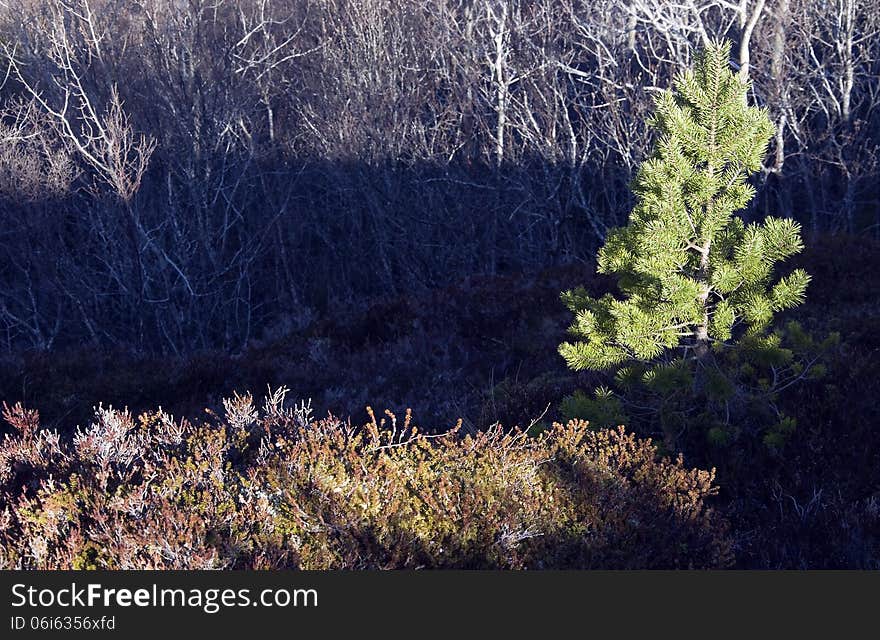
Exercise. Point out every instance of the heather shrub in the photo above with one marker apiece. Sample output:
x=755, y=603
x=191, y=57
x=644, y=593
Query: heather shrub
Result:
x=274, y=488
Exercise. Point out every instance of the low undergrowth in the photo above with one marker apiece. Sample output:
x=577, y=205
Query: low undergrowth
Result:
x=272, y=487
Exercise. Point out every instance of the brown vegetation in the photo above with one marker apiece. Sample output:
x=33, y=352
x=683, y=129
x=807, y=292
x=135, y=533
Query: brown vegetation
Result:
x=275, y=489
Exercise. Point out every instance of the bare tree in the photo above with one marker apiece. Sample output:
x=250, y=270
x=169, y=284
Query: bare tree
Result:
x=298, y=154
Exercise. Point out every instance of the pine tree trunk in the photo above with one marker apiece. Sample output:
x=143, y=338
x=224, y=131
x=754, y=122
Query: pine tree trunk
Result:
x=701, y=334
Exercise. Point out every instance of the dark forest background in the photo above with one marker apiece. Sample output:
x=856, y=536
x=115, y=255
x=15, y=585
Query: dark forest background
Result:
x=179, y=175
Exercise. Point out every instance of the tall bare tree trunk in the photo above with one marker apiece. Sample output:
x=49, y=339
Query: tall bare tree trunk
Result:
x=748, y=20
x=777, y=77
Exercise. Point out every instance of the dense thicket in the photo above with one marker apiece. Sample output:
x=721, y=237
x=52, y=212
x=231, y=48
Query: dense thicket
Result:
x=176, y=175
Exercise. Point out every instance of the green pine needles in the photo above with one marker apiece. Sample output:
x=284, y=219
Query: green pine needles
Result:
x=691, y=273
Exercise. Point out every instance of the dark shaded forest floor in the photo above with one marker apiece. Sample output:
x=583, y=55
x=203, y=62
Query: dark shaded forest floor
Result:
x=485, y=350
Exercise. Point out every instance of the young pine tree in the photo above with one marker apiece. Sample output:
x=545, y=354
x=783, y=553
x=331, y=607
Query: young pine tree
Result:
x=690, y=272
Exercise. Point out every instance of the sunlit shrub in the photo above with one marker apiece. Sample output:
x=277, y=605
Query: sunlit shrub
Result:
x=274, y=488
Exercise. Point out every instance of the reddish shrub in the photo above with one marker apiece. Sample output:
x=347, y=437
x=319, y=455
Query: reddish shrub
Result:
x=273, y=488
